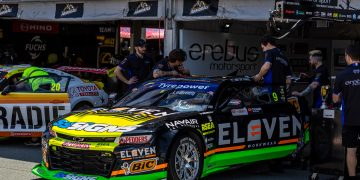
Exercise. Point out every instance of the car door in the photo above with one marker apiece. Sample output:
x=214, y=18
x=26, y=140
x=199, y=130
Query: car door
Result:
x=24, y=112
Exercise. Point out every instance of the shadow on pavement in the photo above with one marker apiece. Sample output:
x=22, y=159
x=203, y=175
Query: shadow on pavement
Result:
x=14, y=148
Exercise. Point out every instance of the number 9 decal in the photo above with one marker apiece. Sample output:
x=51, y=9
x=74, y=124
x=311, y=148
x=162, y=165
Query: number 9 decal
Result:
x=275, y=97
x=55, y=87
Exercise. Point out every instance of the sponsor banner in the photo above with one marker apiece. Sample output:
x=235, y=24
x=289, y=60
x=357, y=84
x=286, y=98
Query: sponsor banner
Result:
x=9, y=10
x=221, y=54
x=143, y=9
x=63, y=175
x=29, y=117
x=35, y=27
x=200, y=7
x=69, y=10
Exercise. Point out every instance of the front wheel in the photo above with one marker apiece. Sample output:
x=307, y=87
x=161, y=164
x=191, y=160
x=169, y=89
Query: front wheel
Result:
x=186, y=158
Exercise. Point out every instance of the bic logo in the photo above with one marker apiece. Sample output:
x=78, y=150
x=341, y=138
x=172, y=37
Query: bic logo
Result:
x=139, y=166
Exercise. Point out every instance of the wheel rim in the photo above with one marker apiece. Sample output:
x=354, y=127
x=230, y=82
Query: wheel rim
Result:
x=186, y=161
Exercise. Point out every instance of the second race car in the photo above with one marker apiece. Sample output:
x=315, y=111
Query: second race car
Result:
x=175, y=128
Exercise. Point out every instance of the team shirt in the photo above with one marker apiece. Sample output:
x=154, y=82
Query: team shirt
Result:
x=280, y=68
x=348, y=85
x=163, y=65
x=136, y=66
x=322, y=77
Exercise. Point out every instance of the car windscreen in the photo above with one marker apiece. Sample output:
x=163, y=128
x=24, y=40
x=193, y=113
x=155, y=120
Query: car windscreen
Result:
x=182, y=97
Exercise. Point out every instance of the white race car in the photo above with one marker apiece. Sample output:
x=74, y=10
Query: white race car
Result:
x=82, y=94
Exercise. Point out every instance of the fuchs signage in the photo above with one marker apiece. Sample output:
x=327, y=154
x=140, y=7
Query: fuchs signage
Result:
x=221, y=54
x=35, y=47
x=8, y=10
x=200, y=7
x=35, y=27
x=69, y=10
x=143, y=9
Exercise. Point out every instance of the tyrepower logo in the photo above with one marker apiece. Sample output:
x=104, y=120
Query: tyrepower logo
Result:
x=139, y=166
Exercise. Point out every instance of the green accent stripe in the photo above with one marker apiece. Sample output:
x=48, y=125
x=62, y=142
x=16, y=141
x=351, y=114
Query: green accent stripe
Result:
x=221, y=161
x=41, y=171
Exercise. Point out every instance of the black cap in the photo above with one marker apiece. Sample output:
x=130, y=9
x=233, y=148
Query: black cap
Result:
x=140, y=43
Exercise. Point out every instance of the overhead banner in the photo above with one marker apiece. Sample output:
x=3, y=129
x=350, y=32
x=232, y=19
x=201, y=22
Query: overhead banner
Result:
x=143, y=9
x=35, y=27
x=200, y=7
x=69, y=10
x=221, y=54
x=8, y=10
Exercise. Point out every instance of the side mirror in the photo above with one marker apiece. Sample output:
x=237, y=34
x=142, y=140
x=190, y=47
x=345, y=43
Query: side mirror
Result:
x=8, y=89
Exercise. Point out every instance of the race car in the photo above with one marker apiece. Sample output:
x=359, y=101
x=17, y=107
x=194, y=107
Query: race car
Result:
x=82, y=94
x=175, y=128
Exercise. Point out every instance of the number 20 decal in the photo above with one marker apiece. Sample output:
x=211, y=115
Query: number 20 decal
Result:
x=55, y=87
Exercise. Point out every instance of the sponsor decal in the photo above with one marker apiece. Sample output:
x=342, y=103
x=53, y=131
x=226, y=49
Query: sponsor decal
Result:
x=89, y=94
x=69, y=176
x=190, y=93
x=69, y=10
x=87, y=88
x=35, y=47
x=183, y=86
x=143, y=112
x=207, y=126
x=239, y=112
x=182, y=123
x=91, y=127
x=135, y=139
x=29, y=117
x=138, y=153
x=259, y=129
x=139, y=166
x=76, y=145
x=35, y=27
x=143, y=8
x=200, y=7
x=254, y=110
x=355, y=82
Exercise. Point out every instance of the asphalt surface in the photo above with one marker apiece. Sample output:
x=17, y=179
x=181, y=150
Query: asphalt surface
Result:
x=17, y=160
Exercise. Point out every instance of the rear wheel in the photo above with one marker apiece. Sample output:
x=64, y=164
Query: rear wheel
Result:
x=186, y=158
x=82, y=106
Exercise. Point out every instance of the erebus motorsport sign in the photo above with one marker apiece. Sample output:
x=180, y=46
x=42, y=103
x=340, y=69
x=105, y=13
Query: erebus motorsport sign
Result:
x=143, y=8
x=29, y=117
x=200, y=7
x=221, y=54
x=259, y=130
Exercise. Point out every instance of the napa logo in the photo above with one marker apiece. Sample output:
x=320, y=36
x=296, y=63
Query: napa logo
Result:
x=92, y=127
x=62, y=175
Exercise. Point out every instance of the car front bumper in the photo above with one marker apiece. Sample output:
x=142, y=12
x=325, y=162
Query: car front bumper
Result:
x=43, y=172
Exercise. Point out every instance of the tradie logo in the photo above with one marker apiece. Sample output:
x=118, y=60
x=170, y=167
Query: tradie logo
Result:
x=69, y=9
x=199, y=6
x=142, y=7
x=5, y=9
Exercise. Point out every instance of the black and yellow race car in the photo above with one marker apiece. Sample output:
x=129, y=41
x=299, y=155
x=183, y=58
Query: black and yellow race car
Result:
x=175, y=128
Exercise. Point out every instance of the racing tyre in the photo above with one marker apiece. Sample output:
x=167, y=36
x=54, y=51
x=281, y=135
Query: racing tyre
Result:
x=186, y=158
x=82, y=106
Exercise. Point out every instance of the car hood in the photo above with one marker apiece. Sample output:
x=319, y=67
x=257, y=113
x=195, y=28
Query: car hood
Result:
x=104, y=122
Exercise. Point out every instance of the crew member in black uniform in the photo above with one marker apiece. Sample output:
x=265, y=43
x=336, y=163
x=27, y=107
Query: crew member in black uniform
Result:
x=134, y=69
x=171, y=66
x=276, y=69
x=347, y=91
x=321, y=78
